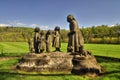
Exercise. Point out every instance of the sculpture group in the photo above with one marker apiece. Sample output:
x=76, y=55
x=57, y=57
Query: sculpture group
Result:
x=79, y=61
x=44, y=40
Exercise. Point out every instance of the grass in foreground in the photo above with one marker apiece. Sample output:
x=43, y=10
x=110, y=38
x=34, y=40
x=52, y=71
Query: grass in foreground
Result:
x=8, y=72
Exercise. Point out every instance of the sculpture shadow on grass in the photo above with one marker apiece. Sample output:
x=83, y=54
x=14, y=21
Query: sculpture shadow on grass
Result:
x=14, y=73
x=111, y=72
x=106, y=59
x=7, y=73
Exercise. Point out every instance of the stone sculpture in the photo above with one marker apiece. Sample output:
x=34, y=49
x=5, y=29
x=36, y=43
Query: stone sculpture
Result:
x=42, y=42
x=56, y=38
x=36, y=38
x=83, y=61
x=31, y=46
x=48, y=41
x=76, y=41
x=80, y=61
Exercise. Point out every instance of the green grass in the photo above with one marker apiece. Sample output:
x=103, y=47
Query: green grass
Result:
x=8, y=71
x=109, y=50
x=13, y=48
x=21, y=48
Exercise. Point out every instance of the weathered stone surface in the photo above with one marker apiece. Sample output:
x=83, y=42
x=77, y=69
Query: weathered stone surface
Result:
x=46, y=62
x=80, y=64
x=85, y=65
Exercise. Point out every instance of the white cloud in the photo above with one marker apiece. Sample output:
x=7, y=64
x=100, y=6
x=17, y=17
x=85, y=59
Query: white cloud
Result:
x=112, y=25
x=20, y=24
x=41, y=27
x=34, y=25
x=4, y=25
x=16, y=23
x=44, y=27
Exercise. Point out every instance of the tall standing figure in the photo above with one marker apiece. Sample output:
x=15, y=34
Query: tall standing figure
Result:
x=56, y=38
x=76, y=41
x=36, y=38
x=48, y=41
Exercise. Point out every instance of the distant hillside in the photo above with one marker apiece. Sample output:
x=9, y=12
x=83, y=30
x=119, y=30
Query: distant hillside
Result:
x=95, y=34
x=15, y=33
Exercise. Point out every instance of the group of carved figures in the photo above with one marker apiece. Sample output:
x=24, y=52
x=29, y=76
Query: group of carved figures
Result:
x=43, y=41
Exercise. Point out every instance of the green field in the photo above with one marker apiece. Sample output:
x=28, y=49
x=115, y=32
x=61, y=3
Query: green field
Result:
x=20, y=48
x=109, y=50
x=8, y=61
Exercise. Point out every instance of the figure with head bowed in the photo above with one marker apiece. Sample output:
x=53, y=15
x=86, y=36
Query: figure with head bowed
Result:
x=76, y=41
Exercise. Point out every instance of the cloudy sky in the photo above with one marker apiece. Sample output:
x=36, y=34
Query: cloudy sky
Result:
x=50, y=13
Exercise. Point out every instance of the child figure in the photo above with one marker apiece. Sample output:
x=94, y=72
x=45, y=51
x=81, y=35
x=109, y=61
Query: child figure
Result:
x=42, y=42
x=48, y=41
x=31, y=46
x=36, y=38
x=56, y=39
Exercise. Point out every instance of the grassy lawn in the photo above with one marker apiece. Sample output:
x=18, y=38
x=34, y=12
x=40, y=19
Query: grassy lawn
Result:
x=13, y=48
x=8, y=71
x=21, y=48
x=109, y=50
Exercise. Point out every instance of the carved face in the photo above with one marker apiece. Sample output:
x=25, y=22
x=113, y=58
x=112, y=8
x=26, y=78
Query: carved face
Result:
x=70, y=18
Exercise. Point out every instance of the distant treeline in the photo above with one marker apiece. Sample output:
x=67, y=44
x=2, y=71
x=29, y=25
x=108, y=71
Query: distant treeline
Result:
x=102, y=34
x=95, y=34
x=15, y=34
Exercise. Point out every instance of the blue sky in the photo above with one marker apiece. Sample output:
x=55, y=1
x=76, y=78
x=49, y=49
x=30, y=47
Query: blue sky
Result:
x=50, y=13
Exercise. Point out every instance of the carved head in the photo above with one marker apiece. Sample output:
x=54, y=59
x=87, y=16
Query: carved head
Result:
x=70, y=18
x=42, y=33
x=57, y=28
x=37, y=29
x=49, y=32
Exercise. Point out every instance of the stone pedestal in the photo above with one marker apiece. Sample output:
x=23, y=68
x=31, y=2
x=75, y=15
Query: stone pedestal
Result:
x=80, y=64
x=46, y=62
x=85, y=64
